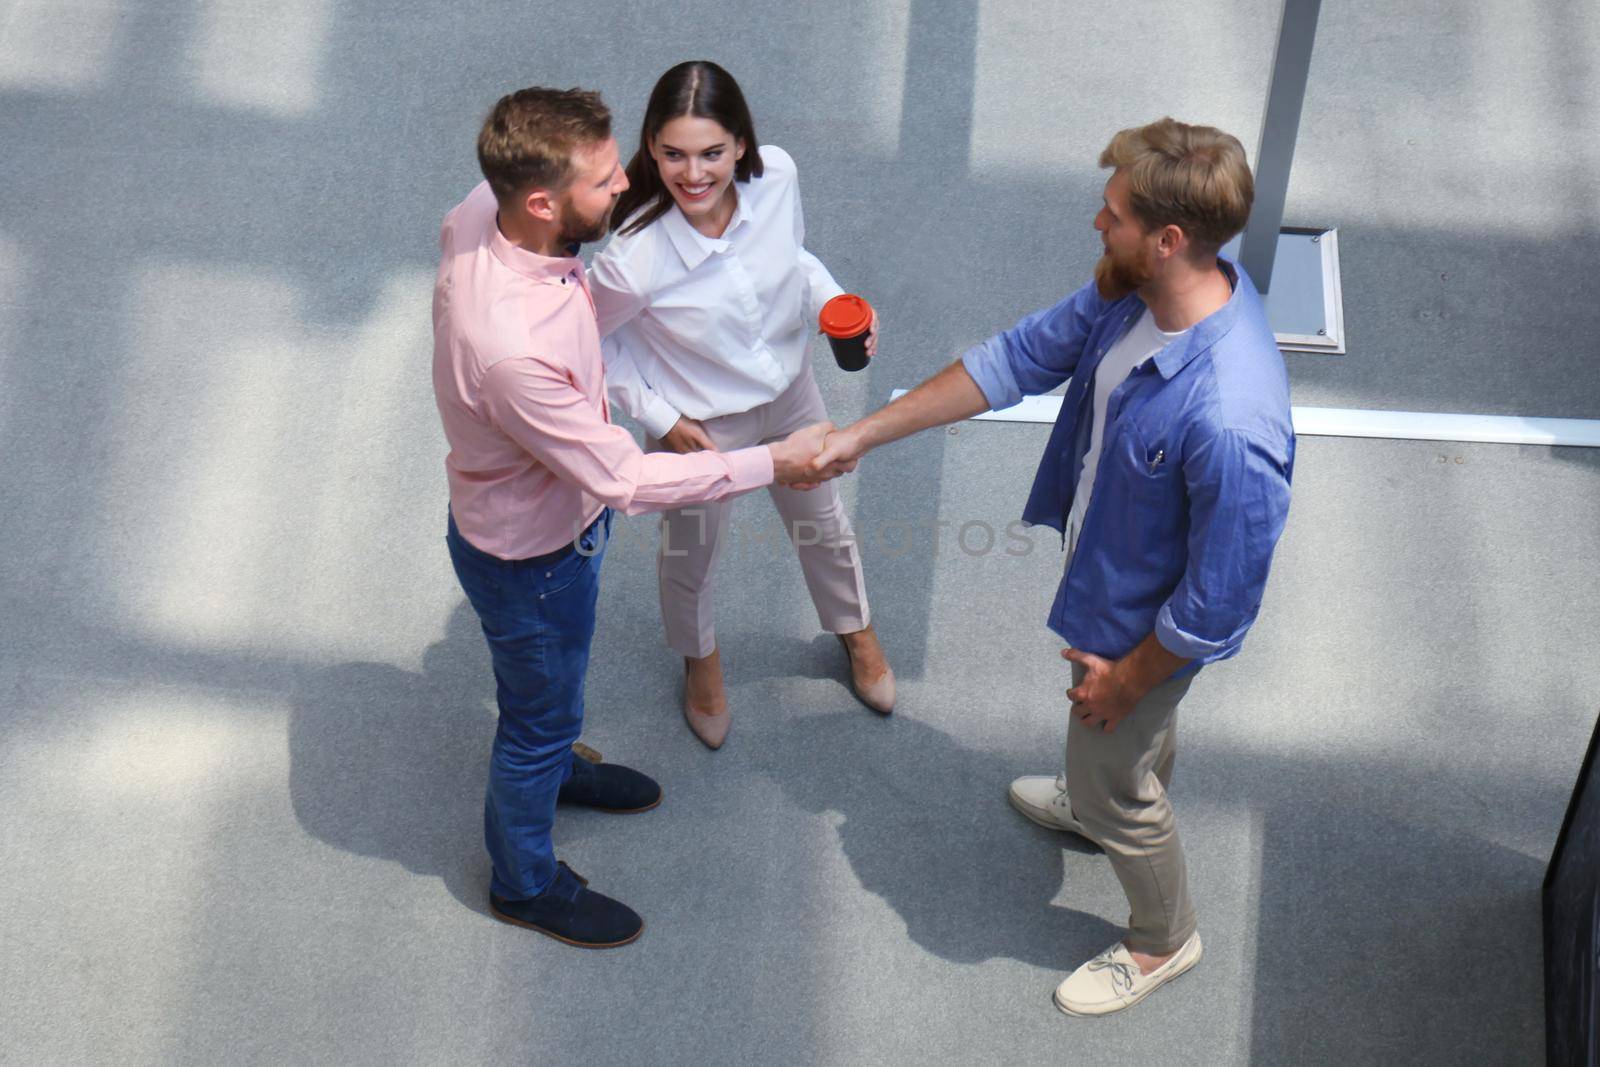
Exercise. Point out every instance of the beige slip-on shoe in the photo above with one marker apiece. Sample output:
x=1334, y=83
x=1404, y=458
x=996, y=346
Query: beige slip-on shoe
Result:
x=879, y=695
x=1111, y=981
x=1044, y=800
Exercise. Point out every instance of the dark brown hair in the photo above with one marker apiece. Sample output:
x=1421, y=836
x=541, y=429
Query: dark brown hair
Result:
x=704, y=90
x=529, y=138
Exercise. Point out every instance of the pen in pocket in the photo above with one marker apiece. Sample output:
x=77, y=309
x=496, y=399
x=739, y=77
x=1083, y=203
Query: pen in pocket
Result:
x=1160, y=455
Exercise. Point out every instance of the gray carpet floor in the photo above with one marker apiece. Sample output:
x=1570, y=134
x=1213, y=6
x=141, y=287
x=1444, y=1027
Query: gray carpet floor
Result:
x=246, y=713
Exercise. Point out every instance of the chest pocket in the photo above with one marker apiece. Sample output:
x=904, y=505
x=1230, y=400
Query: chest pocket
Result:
x=1150, y=463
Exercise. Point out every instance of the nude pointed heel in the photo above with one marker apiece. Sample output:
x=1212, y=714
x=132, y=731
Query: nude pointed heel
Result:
x=879, y=696
x=712, y=730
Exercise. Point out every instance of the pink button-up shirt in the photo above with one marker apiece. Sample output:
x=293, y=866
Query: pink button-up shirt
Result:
x=518, y=378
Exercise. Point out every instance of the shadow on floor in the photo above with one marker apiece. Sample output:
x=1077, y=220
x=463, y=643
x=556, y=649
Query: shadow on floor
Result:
x=926, y=827
x=392, y=763
x=1381, y=940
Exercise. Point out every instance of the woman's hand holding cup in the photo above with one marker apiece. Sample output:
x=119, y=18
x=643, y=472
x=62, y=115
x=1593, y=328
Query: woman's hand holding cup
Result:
x=851, y=325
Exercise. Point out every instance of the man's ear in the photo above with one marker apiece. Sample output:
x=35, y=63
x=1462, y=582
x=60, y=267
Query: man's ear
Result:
x=540, y=204
x=1172, y=241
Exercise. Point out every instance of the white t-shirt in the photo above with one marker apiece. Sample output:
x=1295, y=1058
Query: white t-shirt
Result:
x=1142, y=341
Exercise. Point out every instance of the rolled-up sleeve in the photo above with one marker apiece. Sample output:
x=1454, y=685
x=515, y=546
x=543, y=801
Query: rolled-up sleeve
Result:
x=537, y=406
x=1238, y=489
x=1038, y=353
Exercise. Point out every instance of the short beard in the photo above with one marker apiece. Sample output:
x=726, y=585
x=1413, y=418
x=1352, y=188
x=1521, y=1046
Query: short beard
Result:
x=1116, y=278
x=577, y=230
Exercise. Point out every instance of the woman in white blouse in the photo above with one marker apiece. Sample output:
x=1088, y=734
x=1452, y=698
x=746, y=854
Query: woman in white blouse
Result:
x=709, y=300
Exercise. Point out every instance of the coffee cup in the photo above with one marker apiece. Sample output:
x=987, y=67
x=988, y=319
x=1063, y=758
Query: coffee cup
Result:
x=847, y=319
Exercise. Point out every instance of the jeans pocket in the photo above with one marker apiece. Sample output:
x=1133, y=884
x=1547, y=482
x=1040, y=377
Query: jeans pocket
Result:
x=564, y=574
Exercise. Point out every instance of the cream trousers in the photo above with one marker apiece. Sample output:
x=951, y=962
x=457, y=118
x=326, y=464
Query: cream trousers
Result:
x=692, y=538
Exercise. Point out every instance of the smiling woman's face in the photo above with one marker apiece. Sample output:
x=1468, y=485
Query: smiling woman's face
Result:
x=696, y=158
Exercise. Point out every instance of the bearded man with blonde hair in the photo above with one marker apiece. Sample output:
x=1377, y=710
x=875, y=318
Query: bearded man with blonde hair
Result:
x=1167, y=474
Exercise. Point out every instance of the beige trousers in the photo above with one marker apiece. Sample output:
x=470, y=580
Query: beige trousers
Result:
x=1118, y=785
x=692, y=538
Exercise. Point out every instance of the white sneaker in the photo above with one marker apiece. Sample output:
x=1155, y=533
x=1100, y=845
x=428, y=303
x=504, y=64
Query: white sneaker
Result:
x=1044, y=800
x=1111, y=981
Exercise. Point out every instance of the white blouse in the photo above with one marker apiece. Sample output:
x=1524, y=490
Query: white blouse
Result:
x=704, y=327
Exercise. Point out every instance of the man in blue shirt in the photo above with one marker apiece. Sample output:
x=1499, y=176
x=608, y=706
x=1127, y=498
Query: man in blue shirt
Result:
x=1167, y=474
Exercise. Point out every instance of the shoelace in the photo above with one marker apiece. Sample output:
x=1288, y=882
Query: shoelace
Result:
x=1122, y=974
x=569, y=887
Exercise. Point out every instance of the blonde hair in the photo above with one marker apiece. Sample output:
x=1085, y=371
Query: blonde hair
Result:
x=1192, y=177
x=529, y=137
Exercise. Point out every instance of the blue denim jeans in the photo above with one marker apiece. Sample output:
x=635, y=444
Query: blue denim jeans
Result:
x=538, y=618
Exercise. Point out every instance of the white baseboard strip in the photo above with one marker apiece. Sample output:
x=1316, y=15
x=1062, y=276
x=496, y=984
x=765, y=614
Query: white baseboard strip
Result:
x=1391, y=425
x=1429, y=426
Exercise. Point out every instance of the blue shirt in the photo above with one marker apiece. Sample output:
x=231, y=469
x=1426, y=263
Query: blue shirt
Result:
x=1192, y=488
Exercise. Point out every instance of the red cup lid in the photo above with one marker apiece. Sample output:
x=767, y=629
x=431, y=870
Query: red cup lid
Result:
x=845, y=316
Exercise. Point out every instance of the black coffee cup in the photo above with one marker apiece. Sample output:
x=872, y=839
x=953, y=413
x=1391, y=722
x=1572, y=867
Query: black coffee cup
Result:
x=847, y=319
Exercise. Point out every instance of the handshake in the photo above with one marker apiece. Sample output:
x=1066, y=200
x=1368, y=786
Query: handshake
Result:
x=820, y=452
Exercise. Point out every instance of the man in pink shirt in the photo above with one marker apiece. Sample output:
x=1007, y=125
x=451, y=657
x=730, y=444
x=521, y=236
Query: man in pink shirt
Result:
x=535, y=468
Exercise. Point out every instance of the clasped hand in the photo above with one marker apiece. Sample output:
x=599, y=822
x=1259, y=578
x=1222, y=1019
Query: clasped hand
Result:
x=688, y=435
x=797, y=460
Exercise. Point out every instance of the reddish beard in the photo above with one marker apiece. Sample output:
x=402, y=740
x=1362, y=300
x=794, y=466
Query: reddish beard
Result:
x=1115, y=277
x=577, y=230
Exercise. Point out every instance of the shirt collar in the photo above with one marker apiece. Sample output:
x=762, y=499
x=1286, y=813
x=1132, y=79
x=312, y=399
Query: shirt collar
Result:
x=548, y=269
x=695, y=247
x=1209, y=330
